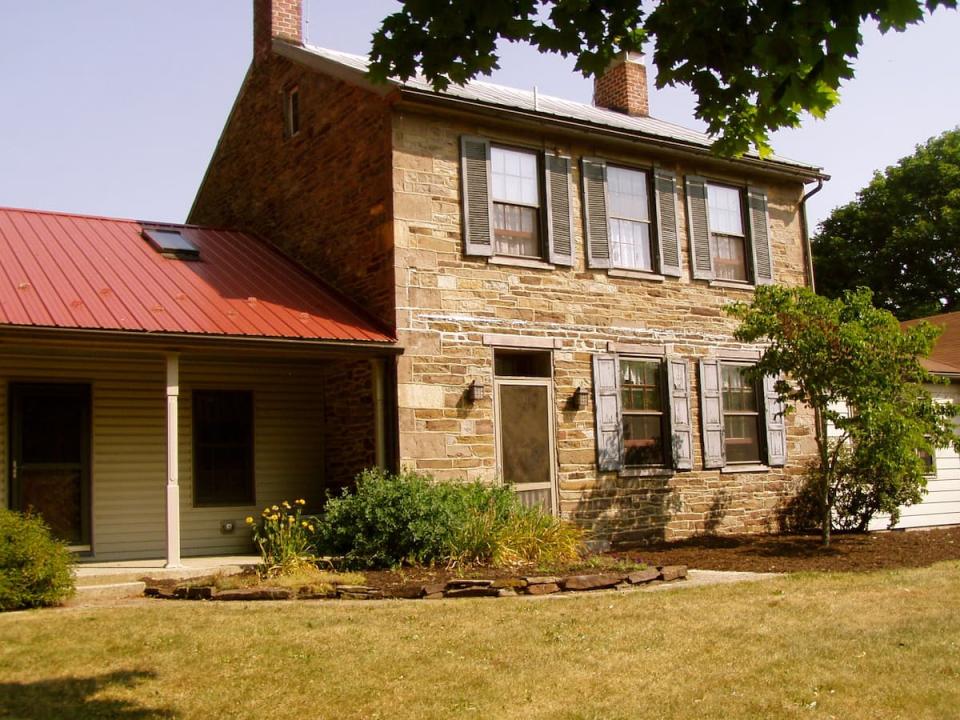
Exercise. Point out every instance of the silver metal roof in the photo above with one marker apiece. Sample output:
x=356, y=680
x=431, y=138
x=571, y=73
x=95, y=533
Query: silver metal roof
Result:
x=548, y=106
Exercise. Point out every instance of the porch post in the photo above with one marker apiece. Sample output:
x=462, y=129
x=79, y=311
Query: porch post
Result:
x=173, y=461
x=379, y=412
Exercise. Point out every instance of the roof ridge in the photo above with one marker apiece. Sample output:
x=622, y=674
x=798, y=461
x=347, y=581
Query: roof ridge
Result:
x=111, y=218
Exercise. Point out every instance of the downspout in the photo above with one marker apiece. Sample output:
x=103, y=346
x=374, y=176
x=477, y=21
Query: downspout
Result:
x=805, y=232
x=821, y=421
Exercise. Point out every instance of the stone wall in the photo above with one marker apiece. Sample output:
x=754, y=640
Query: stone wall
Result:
x=322, y=195
x=447, y=302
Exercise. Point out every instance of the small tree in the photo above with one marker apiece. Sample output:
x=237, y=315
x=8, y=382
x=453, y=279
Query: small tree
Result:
x=856, y=368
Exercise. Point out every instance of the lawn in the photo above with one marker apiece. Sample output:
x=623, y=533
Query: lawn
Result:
x=879, y=645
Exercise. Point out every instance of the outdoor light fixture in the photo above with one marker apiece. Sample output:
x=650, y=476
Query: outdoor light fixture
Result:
x=475, y=392
x=576, y=400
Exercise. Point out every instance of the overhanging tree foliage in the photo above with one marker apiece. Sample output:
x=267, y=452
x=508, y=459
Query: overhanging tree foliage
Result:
x=754, y=66
x=861, y=374
x=901, y=237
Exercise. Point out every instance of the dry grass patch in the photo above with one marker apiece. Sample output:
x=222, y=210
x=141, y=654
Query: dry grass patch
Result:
x=882, y=645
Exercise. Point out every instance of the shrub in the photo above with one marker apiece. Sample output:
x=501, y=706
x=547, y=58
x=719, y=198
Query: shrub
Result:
x=388, y=520
x=35, y=569
x=285, y=539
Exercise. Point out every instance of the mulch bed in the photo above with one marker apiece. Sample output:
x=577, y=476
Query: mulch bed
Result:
x=797, y=553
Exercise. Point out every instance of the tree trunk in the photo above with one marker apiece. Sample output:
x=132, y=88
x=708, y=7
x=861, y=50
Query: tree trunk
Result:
x=826, y=514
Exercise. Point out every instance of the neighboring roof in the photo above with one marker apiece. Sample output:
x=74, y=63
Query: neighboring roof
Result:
x=543, y=105
x=945, y=358
x=72, y=271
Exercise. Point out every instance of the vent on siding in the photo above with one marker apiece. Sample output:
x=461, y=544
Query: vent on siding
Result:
x=171, y=243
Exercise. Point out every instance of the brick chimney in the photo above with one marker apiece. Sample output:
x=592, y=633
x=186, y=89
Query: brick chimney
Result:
x=281, y=19
x=623, y=86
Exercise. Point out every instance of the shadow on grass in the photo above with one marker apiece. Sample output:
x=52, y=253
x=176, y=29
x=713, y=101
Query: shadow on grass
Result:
x=74, y=698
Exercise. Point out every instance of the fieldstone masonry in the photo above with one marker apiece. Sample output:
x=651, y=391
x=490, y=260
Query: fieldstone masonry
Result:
x=368, y=196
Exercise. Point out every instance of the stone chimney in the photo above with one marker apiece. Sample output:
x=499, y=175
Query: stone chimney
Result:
x=623, y=86
x=281, y=19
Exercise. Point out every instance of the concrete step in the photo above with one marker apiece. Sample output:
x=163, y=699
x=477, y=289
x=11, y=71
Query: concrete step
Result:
x=109, y=591
x=87, y=576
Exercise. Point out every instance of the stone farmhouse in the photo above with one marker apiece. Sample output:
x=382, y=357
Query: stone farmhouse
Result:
x=555, y=273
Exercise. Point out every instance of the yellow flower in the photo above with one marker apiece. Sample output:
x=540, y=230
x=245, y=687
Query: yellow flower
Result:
x=265, y=511
x=301, y=501
x=291, y=519
x=274, y=507
x=310, y=528
x=303, y=523
x=249, y=520
x=286, y=504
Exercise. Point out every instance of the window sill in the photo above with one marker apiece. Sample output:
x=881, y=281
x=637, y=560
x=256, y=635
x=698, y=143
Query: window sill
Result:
x=745, y=468
x=647, y=472
x=732, y=284
x=635, y=275
x=520, y=262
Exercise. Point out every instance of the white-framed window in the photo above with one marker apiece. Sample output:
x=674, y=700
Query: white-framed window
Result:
x=728, y=237
x=642, y=410
x=742, y=411
x=628, y=219
x=515, y=185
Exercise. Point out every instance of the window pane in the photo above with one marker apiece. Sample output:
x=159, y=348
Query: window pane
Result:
x=642, y=440
x=730, y=257
x=627, y=194
x=725, y=209
x=640, y=384
x=630, y=244
x=742, y=439
x=515, y=176
x=739, y=394
x=223, y=447
x=516, y=230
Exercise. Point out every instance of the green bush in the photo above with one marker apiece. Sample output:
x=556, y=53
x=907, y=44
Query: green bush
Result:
x=35, y=569
x=388, y=520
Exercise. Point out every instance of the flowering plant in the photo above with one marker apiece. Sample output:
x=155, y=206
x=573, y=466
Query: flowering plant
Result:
x=284, y=538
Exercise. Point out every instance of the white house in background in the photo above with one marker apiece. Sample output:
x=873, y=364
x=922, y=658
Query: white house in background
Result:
x=941, y=504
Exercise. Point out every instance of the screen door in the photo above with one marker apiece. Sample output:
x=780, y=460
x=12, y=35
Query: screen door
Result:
x=50, y=456
x=524, y=409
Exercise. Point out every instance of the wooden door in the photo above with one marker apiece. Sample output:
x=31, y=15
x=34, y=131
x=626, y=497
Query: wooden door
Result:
x=50, y=456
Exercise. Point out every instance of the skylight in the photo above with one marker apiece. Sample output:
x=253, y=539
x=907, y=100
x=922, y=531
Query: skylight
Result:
x=172, y=243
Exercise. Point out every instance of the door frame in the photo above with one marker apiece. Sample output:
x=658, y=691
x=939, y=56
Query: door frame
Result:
x=545, y=382
x=82, y=390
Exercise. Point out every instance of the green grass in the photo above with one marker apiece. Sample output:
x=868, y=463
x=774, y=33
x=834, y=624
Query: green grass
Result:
x=880, y=645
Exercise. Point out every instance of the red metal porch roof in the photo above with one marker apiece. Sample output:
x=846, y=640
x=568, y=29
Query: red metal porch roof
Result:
x=70, y=271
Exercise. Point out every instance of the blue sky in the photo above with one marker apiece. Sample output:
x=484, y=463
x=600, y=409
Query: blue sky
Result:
x=113, y=107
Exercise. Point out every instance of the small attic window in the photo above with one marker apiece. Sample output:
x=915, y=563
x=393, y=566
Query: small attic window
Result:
x=291, y=111
x=172, y=243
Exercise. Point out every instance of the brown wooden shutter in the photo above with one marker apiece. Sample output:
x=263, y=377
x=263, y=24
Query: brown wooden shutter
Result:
x=475, y=182
x=711, y=414
x=681, y=430
x=559, y=212
x=594, y=174
x=773, y=411
x=668, y=235
x=698, y=225
x=760, y=236
x=606, y=395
